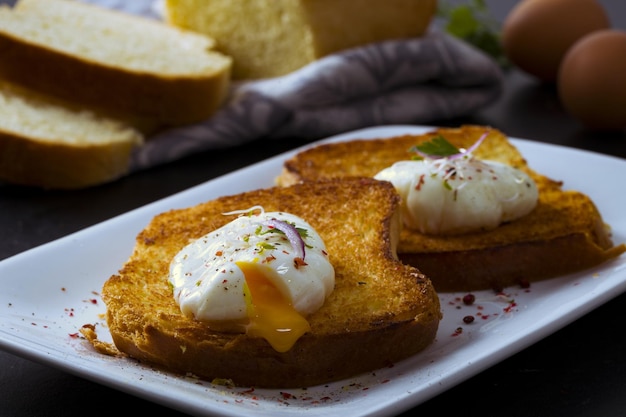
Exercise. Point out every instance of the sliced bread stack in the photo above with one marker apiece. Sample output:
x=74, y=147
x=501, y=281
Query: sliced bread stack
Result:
x=92, y=80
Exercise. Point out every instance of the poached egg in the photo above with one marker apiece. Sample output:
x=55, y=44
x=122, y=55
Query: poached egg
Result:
x=460, y=194
x=262, y=274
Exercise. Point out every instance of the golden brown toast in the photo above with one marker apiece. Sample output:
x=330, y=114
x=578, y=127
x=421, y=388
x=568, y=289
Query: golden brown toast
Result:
x=565, y=233
x=381, y=310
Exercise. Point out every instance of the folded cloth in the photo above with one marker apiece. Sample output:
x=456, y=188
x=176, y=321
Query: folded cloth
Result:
x=410, y=81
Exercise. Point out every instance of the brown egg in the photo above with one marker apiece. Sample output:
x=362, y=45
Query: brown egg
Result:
x=592, y=80
x=536, y=34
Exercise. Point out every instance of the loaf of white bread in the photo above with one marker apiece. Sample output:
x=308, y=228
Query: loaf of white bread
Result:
x=269, y=38
x=91, y=82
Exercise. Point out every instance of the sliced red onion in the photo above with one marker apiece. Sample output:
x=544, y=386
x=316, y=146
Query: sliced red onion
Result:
x=292, y=234
x=471, y=148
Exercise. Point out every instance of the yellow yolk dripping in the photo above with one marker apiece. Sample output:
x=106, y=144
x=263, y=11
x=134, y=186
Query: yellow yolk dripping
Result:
x=272, y=316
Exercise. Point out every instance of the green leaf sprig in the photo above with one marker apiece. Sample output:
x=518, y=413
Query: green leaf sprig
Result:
x=472, y=23
x=437, y=147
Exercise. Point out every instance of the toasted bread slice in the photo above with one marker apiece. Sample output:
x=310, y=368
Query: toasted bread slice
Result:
x=565, y=233
x=381, y=310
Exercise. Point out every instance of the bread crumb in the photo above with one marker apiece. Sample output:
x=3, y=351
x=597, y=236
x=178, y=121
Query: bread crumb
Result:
x=106, y=348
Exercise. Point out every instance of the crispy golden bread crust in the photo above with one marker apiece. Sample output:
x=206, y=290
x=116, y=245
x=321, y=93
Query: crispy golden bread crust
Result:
x=381, y=310
x=565, y=233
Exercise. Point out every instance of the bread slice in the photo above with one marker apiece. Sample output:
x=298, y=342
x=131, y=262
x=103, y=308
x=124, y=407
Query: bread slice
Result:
x=48, y=143
x=269, y=38
x=565, y=233
x=381, y=311
x=112, y=61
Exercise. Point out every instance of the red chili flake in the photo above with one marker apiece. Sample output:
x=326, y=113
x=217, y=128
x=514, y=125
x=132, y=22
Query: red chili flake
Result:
x=457, y=331
x=219, y=253
x=468, y=319
x=418, y=187
x=269, y=259
x=298, y=262
x=325, y=398
x=469, y=299
x=93, y=301
x=510, y=307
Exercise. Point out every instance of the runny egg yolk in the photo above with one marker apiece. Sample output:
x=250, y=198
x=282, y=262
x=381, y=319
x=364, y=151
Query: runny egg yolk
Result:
x=271, y=314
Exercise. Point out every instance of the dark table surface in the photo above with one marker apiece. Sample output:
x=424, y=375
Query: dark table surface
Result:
x=578, y=371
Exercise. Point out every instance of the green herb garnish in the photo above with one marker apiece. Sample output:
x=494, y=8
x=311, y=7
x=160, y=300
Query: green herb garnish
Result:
x=301, y=231
x=438, y=147
x=264, y=245
x=473, y=23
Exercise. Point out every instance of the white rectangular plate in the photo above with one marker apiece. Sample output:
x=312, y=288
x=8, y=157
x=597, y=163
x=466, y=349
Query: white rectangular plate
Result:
x=49, y=292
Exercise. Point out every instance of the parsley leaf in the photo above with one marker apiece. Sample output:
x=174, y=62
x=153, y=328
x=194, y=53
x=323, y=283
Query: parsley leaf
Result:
x=437, y=146
x=473, y=23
